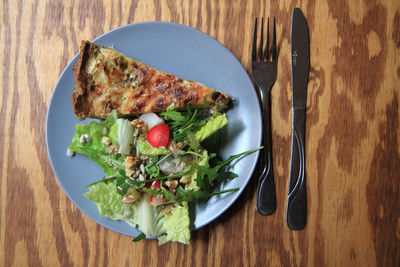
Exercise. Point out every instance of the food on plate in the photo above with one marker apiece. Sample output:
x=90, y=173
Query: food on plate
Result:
x=151, y=142
x=107, y=80
x=154, y=166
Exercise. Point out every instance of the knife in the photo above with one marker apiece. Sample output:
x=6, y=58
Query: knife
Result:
x=296, y=213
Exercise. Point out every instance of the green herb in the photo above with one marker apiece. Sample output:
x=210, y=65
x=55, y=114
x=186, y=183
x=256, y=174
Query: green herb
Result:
x=189, y=195
x=139, y=237
x=103, y=180
x=182, y=123
x=122, y=186
x=173, y=115
x=206, y=177
x=163, y=177
x=187, y=127
x=152, y=169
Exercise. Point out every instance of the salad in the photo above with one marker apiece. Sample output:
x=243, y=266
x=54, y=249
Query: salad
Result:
x=154, y=165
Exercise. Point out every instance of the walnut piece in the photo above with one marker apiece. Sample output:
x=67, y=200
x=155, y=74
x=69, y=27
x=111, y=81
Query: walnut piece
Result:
x=139, y=124
x=130, y=163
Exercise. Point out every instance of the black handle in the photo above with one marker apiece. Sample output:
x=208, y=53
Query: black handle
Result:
x=266, y=196
x=296, y=213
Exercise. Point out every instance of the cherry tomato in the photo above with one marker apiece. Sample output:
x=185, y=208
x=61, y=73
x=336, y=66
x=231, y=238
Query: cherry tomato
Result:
x=158, y=136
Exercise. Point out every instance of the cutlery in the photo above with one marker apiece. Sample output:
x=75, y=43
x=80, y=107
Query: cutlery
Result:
x=296, y=213
x=264, y=71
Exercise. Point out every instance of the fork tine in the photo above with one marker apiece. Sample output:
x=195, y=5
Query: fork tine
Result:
x=254, y=52
x=261, y=38
x=267, y=45
x=274, y=42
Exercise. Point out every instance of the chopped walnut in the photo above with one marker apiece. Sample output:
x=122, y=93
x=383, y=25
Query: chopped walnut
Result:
x=130, y=163
x=172, y=185
x=139, y=124
x=136, y=123
x=132, y=160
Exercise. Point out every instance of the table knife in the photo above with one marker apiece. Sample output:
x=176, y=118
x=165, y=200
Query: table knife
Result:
x=296, y=213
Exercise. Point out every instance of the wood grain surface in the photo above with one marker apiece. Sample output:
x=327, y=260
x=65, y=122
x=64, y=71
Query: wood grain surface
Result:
x=352, y=137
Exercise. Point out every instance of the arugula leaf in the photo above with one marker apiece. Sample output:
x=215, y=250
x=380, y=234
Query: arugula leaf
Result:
x=122, y=185
x=206, y=177
x=190, y=195
x=182, y=123
x=152, y=169
x=193, y=142
x=171, y=114
x=103, y=180
x=166, y=193
x=139, y=237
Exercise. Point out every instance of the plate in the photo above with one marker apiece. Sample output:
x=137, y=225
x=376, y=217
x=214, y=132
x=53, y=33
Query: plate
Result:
x=189, y=54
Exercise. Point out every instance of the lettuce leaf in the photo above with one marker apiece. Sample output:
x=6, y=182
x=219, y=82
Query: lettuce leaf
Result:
x=212, y=125
x=146, y=148
x=107, y=200
x=147, y=218
x=176, y=225
x=125, y=136
x=166, y=224
x=94, y=148
x=113, y=133
x=203, y=161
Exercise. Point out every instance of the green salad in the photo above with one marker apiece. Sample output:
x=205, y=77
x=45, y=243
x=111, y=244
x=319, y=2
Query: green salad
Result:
x=154, y=165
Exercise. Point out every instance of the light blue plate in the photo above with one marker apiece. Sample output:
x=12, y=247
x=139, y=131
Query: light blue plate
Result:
x=189, y=54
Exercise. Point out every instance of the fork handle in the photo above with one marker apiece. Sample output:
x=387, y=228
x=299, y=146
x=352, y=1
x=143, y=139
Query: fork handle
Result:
x=266, y=196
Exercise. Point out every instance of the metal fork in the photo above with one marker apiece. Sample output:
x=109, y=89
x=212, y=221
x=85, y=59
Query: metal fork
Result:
x=264, y=72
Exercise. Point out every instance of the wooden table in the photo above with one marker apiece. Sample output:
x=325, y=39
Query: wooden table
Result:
x=352, y=136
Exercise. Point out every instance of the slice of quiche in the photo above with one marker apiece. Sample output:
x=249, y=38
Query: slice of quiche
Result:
x=107, y=80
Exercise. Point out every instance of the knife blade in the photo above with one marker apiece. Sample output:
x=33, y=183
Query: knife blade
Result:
x=296, y=213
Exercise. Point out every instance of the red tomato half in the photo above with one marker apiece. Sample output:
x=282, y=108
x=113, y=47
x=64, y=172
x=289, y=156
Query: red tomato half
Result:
x=158, y=136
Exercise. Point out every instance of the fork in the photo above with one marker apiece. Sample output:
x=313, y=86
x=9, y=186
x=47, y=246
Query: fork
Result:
x=264, y=72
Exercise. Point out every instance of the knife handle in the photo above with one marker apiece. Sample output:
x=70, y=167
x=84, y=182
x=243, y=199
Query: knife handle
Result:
x=266, y=196
x=296, y=213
